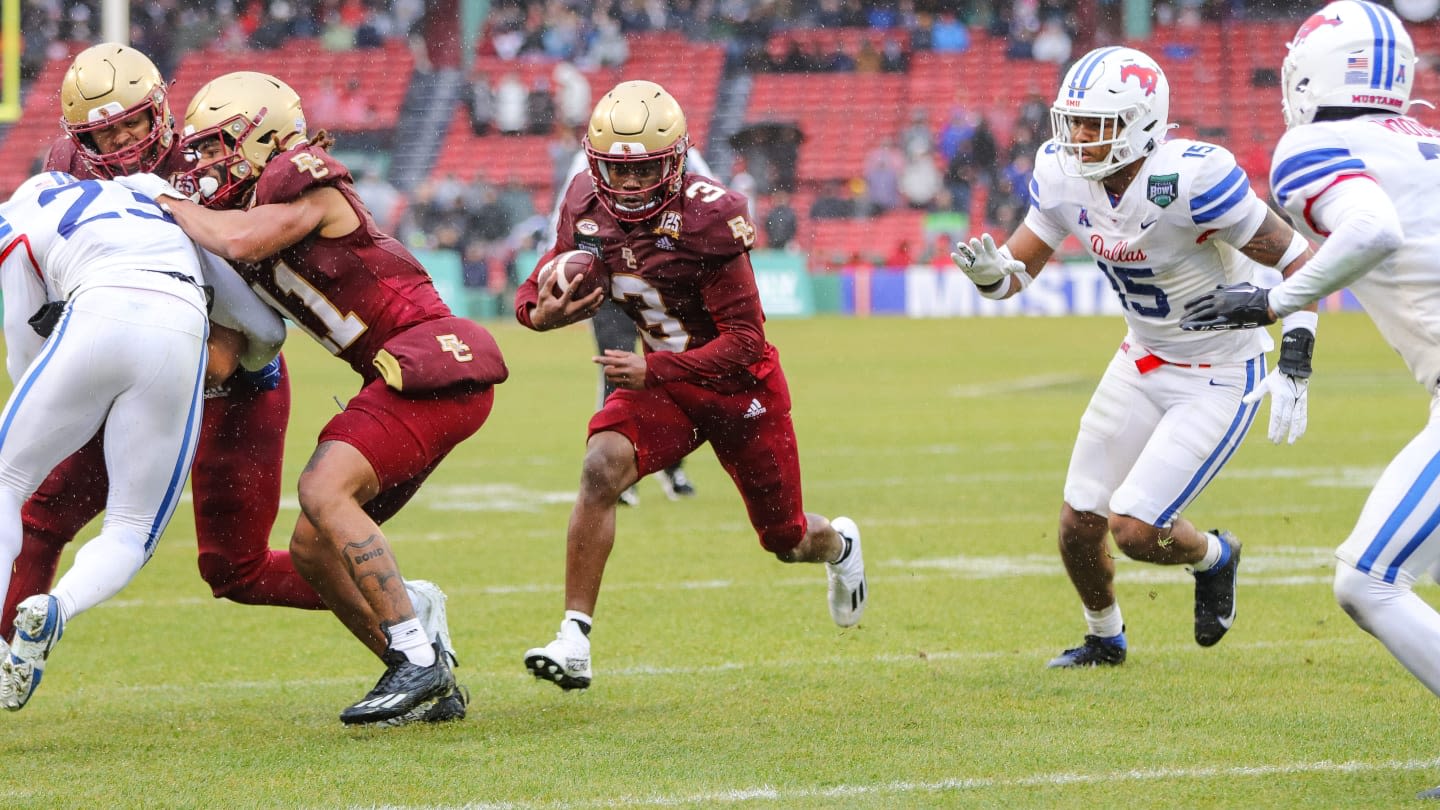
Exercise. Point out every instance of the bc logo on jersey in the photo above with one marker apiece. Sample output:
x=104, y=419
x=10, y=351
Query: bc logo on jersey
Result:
x=1163, y=189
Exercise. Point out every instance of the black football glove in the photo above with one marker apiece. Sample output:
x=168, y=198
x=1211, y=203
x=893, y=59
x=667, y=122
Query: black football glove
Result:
x=45, y=318
x=1238, y=306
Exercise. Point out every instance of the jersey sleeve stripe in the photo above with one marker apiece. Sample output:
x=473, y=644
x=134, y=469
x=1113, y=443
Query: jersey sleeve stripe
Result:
x=1217, y=201
x=1295, y=183
x=1304, y=161
x=1034, y=192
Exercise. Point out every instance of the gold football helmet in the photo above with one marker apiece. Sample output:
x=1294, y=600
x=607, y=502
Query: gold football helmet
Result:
x=105, y=85
x=233, y=126
x=637, y=123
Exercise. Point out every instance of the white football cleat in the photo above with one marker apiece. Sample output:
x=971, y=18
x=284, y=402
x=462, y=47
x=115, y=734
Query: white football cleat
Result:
x=564, y=661
x=847, y=577
x=38, y=625
x=429, y=603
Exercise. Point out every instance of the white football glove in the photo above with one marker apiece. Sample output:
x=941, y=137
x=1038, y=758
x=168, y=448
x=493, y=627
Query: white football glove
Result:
x=985, y=264
x=1289, y=405
x=151, y=185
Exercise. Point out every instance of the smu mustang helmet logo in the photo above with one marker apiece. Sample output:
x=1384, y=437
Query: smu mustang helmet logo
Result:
x=1312, y=25
x=1149, y=79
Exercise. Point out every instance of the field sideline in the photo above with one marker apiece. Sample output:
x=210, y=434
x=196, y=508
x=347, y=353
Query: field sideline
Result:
x=720, y=680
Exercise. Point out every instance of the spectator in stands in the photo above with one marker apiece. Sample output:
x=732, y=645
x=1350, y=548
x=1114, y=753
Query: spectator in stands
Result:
x=572, y=95
x=510, y=105
x=893, y=58
x=836, y=201
x=984, y=153
x=960, y=184
x=608, y=48
x=275, y=28
x=489, y=220
x=900, y=256
x=562, y=37
x=382, y=198
x=336, y=34
x=480, y=103
x=781, y=222
x=917, y=135
x=518, y=202
x=882, y=176
x=867, y=58
x=1017, y=176
x=949, y=34
x=1052, y=43
x=540, y=108
x=742, y=182
x=920, y=180
x=955, y=134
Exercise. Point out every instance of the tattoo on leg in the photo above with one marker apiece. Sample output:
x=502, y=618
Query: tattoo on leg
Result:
x=370, y=550
x=316, y=457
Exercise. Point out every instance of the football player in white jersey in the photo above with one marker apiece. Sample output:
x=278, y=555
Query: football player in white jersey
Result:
x=1360, y=174
x=118, y=339
x=1164, y=221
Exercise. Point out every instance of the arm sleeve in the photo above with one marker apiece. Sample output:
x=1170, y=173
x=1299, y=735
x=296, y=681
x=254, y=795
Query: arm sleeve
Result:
x=1364, y=230
x=238, y=307
x=733, y=301
x=23, y=293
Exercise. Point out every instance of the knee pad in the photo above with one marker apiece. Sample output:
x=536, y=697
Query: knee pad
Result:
x=1360, y=595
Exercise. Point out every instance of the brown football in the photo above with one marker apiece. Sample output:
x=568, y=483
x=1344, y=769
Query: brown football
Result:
x=578, y=269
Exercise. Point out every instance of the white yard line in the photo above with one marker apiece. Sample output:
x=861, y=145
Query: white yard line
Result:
x=766, y=793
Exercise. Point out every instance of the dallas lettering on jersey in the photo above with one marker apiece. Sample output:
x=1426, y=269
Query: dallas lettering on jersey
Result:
x=1119, y=252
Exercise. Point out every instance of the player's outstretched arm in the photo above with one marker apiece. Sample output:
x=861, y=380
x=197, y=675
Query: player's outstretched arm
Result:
x=1000, y=272
x=260, y=232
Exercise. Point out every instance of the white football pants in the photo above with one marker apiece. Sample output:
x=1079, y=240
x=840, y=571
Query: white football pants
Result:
x=1396, y=540
x=133, y=360
x=1150, y=443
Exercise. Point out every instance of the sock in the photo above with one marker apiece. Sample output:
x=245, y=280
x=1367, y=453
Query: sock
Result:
x=844, y=551
x=409, y=638
x=1106, y=623
x=582, y=620
x=1217, y=553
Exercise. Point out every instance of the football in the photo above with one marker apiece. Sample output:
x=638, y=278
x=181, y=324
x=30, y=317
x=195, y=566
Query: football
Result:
x=578, y=269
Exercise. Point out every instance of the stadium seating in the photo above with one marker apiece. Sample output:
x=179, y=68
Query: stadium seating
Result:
x=1223, y=79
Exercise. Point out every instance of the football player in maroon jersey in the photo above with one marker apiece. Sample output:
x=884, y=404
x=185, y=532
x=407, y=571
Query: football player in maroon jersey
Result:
x=285, y=211
x=117, y=122
x=676, y=248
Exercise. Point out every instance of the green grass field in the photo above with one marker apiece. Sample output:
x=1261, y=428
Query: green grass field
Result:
x=720, y=679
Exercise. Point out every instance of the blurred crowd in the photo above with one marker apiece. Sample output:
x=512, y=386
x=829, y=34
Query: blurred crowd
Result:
x=960, y=162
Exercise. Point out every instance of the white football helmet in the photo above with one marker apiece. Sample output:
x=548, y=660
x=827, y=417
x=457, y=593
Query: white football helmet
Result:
x=1123, y=90
x=41, y=182
x=1348, y=54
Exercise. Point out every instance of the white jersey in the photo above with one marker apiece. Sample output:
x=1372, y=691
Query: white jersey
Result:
x=1173, y=235
x=85, y=234
x=81, y=235
x=1401, y=294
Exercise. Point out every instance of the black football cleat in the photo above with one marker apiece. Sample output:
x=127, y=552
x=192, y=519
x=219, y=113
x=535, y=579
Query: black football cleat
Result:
x=403, y=688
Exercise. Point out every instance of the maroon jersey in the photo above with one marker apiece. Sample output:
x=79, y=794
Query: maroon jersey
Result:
x=683, y=276
x=351, y=293
x=65, y=157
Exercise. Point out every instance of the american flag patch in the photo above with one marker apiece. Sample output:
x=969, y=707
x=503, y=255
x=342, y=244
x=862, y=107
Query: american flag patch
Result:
x=1357, y=63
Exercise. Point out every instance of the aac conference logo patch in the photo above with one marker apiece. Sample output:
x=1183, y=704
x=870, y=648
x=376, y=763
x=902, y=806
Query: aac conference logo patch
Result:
x=1163, y=189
